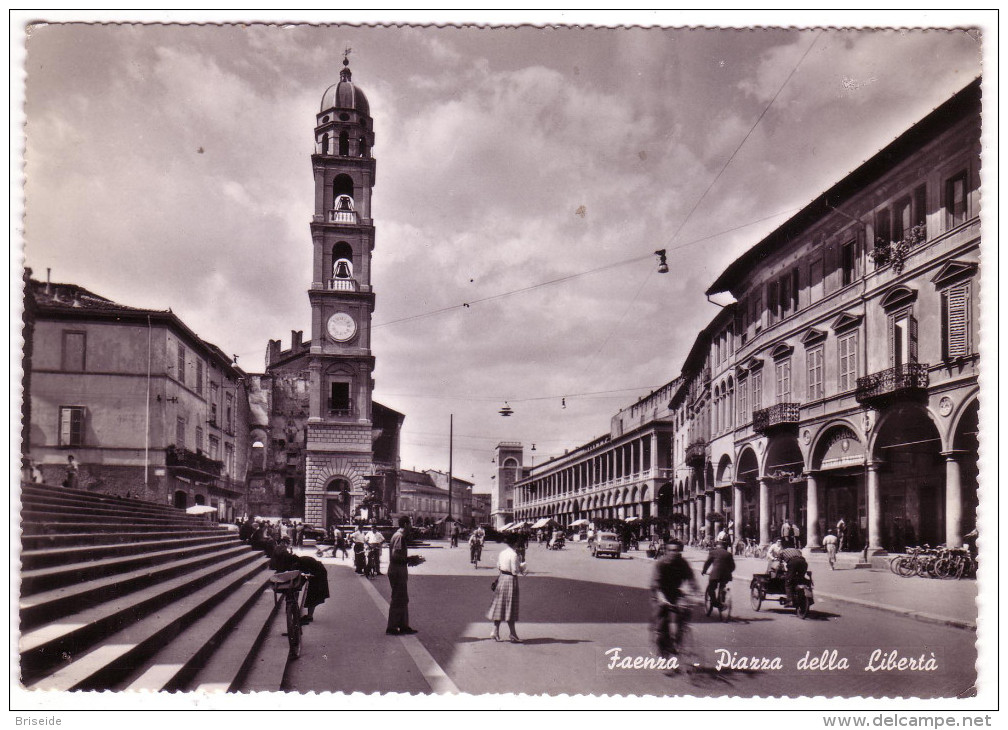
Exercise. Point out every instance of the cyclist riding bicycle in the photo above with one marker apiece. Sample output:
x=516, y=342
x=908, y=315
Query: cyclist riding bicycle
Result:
x=670, y=572
x=721, y=565
x=475, y=546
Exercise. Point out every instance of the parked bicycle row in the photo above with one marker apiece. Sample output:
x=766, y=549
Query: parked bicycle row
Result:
x=934, y=562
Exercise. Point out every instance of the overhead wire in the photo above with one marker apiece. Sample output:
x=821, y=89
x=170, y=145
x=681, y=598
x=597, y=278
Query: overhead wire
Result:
x=745, y=139
x=468, y=304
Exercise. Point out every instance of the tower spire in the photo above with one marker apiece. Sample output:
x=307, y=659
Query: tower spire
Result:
x=345, y=71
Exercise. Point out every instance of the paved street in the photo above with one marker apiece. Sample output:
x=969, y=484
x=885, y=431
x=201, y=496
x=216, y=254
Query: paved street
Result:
x=574, y=608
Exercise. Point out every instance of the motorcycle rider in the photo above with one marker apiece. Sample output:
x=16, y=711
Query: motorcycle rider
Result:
x=795, y=567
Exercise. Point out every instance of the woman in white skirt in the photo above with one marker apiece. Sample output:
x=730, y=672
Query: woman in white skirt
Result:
x=505, y=601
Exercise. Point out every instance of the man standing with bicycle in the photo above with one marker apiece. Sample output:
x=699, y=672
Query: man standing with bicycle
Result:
x=670, y=572
x=721, y=565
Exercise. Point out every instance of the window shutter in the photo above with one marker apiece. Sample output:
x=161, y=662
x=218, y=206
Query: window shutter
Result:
x=956, y=313
x=946, y=344
x=892, y=340
x=65, y=418
x=912, y=339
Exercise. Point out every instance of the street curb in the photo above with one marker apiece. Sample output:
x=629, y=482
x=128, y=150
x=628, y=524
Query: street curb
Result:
x=908, y=613
x=916, y=615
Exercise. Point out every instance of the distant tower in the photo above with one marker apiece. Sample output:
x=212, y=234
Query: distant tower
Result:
x=339, y=459
x=509, y=470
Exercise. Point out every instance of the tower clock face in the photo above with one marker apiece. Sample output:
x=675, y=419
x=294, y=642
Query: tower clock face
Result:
x=341, y=327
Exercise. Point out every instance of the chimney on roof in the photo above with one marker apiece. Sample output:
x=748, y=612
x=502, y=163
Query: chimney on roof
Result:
x=48, y=271
x=272, y=352
x=296, y=339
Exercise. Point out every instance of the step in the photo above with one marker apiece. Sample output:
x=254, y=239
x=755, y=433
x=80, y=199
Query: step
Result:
x=89, y=497
x=172, y=668
x=229, y=665
x=50, y=578
x=126, y=517
x=50, y=511
x=55, y=528
x=43, y=647
x=266, y=670
x=51, y=605
x=109, y=661
x=62, y=500
x=59, y=556
x=58, y=541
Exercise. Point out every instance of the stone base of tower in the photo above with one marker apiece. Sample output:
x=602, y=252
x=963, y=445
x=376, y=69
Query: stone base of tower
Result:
x=337, y=455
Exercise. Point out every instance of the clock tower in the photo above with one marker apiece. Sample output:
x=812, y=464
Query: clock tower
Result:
x=339, y=458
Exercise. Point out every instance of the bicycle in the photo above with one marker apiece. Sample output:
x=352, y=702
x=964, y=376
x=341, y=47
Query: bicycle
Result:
x=292, y=587
x=722, y=602
x=681, y=644
x=475, y=553
x=371, y=561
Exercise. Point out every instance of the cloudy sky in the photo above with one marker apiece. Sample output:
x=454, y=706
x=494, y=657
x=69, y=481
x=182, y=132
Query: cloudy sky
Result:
x=506, y=159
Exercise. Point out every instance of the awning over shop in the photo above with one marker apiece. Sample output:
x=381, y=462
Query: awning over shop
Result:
x=579, y=523
x=632, y=520
x=544, y=522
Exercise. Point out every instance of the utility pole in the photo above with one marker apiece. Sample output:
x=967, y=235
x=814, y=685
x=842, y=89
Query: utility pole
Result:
x=451, y=434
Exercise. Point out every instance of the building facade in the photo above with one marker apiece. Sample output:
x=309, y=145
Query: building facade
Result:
x=343, y=471
x=145, y=406
x=423, y=496
x=625, y=473
x=840, y=386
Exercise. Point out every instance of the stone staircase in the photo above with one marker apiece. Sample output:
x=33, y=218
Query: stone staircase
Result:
x=121, y=594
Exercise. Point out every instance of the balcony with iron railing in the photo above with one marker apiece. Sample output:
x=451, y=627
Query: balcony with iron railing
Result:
x=696, y=453
x=777, y=416
x=340, y=409
x=902, y=381
x=192, y=464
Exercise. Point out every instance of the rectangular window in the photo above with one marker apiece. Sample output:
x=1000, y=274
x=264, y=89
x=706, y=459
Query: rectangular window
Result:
x=180, y=371
x=847, y=347
x=956, y=341
x=902, y=218
x=74, y=345
x=899, y=339
x=71, y=422
x=757, y=311
x=816, y=279
x=920, y=205
x=784, y=381
x=743, y=403
x=213, y=447
x=228, y=412
x=180, y=432
x=883, y=228
x=229, y=458
x=339, y=397
x=848, y=262
x=757, y=390
x=773, y=302
x=955, y=200
x=199, y=377
x=815, y=373
x=785, y=290
x=199, y=438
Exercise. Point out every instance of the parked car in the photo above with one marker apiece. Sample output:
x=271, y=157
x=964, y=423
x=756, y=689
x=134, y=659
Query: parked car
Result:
x=606, y=543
